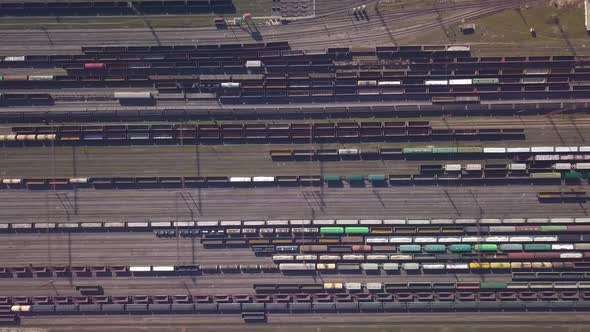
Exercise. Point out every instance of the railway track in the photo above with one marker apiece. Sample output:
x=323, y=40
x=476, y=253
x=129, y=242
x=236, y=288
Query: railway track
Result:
x=271, y=203
x=436, y=122
x=372, y=22
x=383, y=322
x=173, y=37
x=177, y=160
x=260, y=203
x=227, y=168
x=171, y=258
x=533, y=122
x=380, y=37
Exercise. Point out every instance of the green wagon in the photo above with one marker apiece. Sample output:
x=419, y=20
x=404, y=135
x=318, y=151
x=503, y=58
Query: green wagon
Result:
x=332, y=230
x=460, y=248
x=537, y=247
x=435, y=248
x=486, y=247
x=356, y=230
x=511, y=247
x=410, y=248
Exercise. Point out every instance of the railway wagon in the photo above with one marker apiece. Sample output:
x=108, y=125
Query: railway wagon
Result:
x=460, y=248
x=133, y=95
x=297, y=267
x=369, y=83
x=112, y=8
x=486, y=247
x=410, y=248
x=537, y=247
x=314, y=248
x=362, y=248
x=95, y=65
x=508, y=247
x=230, y=85
x=435, y=248
x=573, y=196
x=486, y=81
x=356, y=230
x=443, y=99
x=331, y=230
x=344, y=230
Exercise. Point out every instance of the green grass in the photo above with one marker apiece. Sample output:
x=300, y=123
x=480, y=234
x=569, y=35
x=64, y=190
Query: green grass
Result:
x=255, y=7
x=391, y=6
x=507, y=32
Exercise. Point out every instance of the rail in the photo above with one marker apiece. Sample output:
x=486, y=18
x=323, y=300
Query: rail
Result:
x=147, y=225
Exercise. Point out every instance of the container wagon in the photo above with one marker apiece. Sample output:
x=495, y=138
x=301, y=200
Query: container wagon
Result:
x=389, y=83
x=95, y=65
x=443, y=100
x=40, y=77
x=253, y=64
x=436, y=82
x=467, y=99
x=533, y=80
x=486, y=81
x=366, y=83
x=230, y=85
x=133, y=95
x=465, y=81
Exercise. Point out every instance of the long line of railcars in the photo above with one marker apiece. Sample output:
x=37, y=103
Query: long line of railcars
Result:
x=334, y=291
x=284, y=242
x=540, y=65
x=569, y=229
x=90, y=8
x=405, y=244
x=415, y=286
x=522, y=155
x=231, y=127
x=291, y=180
x=305, y=305
x=414, y=267
x=402, y=255
x=236, y=76
x=369, y=72
x=257, y=112
x=257, y=90
x=254, y=135
x=524, y=161
x=560, y=260
x=253, y=97
x=577, y=277
x=577, y=269
x=271, y=132
x=333, y=286
x=267, y=50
